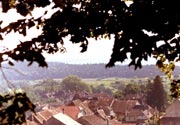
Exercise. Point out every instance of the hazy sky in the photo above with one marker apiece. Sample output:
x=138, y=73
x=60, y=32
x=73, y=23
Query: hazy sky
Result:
x=98, y=52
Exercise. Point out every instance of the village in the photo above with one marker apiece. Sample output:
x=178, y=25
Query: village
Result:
x=84, y=108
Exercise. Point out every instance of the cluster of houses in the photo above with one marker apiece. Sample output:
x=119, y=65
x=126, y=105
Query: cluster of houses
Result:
x=101, y=109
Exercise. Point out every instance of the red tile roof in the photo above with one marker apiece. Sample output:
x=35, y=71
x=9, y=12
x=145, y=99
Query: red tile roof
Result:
x=30, y=123
x=61, y=119
x=71, y=111
x=121, y=106
x=43, y=116
x=125, y=124
x=91, y=120
x=135, y=113
x=86, y=109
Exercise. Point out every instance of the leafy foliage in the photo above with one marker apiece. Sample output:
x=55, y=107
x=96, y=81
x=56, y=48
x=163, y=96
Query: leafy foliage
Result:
x=101, y=89
x=164, y=67
x=175, y=88
x=73, y=84
x=131, y=89
x=138, y=28
x=13, y=108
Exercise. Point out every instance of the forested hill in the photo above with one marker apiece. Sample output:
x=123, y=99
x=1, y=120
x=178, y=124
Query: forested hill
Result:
x=61, y=70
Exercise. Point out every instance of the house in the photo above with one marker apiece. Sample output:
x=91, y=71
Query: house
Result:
x=172, y=116
x=100, y=103
x=135, y=116
x=133, y=97
x=118, y=123
x=131, y=111
x=120, y=107
x=84, y=109
x=83, y=96
x=61, y=119
x=71, y=111
x=123, y=110
x=95, y=120
x=41, y=117
x=28, y=122
x=92, y=120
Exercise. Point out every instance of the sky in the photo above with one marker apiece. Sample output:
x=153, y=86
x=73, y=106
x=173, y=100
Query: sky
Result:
x=99, y=51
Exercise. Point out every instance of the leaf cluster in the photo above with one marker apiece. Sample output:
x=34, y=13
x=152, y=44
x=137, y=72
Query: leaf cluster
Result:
x=23, y=6
x=166, y=68
x=13, y=108
x=175, y=88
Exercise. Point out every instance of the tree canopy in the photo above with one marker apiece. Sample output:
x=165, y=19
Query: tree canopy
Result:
x=138, y=28
x=73, y=83
x=131, y=89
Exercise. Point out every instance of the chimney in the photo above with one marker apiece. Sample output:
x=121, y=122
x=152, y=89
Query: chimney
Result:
x=63, y=110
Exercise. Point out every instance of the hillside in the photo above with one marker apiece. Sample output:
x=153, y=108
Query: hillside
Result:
x=61, y=70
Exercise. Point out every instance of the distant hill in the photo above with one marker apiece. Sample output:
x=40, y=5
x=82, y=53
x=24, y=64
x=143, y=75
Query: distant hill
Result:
x=61, y=70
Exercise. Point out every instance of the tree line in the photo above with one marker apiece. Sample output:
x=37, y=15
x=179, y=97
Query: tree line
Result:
x=61, y=70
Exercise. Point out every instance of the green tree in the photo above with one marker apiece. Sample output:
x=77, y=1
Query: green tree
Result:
x=131, y=89
x=118, y=94
x=143, y=88
x=101, y=89
x=156, y=96
x=73, y=84
x=50, y=85
x=118, y=85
